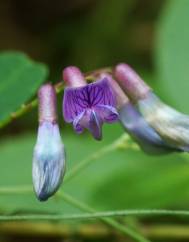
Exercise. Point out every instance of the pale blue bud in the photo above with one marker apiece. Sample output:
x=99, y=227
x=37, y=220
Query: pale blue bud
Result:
x=147, y=138
x=48, y=161
x=49, y=155
x=171, y=125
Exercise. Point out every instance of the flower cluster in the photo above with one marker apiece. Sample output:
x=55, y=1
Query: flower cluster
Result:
x=120, y=96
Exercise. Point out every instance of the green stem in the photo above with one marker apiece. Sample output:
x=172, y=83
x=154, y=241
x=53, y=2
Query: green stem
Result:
x=20, y=112
x=152, y=231
x=73, y=202
x=119, y=143
x=25, y=108
x=85, y=162
x=113, y=223
x=16, y=189
x=95, y=215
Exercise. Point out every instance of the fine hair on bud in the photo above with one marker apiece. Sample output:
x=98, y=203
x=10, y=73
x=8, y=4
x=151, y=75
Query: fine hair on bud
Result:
x=134, y=123
x=49, y=154
x=171, y=125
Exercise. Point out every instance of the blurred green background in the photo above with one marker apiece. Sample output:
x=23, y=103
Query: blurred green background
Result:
x=151, y=36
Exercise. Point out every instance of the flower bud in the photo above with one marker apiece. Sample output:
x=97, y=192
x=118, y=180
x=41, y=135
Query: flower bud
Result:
x=49, y=155
x=134, y=123
x=131, y=82
x=171, y=125
x=73, y=77
x=139, y=129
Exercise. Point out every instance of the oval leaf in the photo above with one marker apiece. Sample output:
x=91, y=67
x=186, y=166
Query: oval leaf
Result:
x=19, y=79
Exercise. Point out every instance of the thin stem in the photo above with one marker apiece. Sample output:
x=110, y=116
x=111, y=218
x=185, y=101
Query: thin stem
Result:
x=95, y=215
x=25, y=108
x=73, y=202
x=16, y=189
x=119, y=143
x=20, y=112
x=85, y=162
x=113, y=223
x=152, y=231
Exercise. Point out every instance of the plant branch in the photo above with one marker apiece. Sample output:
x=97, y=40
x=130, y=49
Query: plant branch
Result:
x=152, y=231
x=95, y=215
x=25, y=108
x=120, y=143
x=113, y=223
x=73, y=202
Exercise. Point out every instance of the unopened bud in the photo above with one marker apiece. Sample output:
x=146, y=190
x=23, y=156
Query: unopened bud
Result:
x=49, y=155
x=131, y=82
x=73, y=77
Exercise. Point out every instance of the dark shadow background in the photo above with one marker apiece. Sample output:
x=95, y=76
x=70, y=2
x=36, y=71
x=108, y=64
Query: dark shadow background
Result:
x=87, y=33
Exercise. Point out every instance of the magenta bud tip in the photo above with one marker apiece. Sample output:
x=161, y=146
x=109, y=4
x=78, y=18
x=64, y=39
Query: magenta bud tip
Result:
x=121, y=97
x=73, y=77
x=131, y=82
x=47, y=103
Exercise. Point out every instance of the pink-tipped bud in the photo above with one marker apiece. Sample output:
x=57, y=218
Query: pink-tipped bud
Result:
x=47, y=104
x=120, y=96
x=49, y=156
x=131, y=82
x=73, y=77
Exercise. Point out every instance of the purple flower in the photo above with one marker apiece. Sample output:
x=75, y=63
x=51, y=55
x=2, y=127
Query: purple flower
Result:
x=88, y=106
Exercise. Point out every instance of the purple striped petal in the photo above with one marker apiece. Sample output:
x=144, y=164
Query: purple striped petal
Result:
x=95, y=125
x=107, y=113
x=77, y=123
x=90, y=120
x=71, y=104
x=100, y=93
x=89, y=106
x=76, y=100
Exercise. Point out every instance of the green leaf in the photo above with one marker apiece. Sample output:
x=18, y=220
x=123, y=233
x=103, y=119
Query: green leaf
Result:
x=172, y=55
x=19, y=79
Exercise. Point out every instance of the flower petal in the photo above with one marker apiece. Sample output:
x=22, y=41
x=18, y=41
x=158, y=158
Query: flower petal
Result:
x=107, y=113
x=95, y=125
x=72, y=104
x=76, y=100
x=101, y=93
x=147, y=138
x=77, y=123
